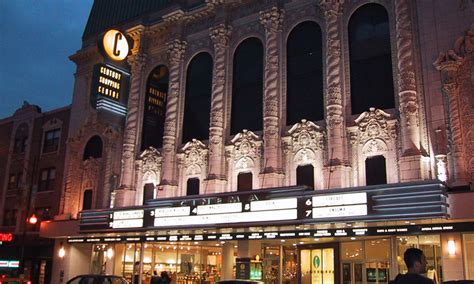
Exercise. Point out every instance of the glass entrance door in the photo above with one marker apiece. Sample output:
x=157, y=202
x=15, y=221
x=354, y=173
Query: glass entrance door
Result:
x=317, y=265
x=352, y=272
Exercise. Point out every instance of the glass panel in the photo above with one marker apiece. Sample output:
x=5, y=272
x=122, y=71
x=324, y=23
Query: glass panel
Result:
x=352, y=251
x=377, y=249
x=358, y=273
x=346, y=273
x=271, y=264
x=289, y=265
x=306, y=265
x=468, y=240
x=328, y=266
x=316, y=266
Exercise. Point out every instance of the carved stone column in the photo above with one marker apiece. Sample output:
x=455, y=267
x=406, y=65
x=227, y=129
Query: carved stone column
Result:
x=337, y=173
x=408, y=100
x=125, y=194
x=217, y=177
x=448, y=65
x=272, y=173
x=169, y=181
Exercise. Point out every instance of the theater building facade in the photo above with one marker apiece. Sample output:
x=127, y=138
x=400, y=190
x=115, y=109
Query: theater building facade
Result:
x=281, y=141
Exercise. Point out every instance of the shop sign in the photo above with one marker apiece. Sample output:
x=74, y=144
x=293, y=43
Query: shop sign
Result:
x=9, y=263
x=115, y=45
x=6, y=237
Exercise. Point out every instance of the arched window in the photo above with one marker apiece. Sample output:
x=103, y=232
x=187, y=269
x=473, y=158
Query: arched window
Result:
x=155, y=108
x=93, y=148
x=192, y=186
x=197, y=101
x=370, y=59
x=304, y=99
x=244, y=182
x=247, y=87
x=305, y=175
x=87, y=199
x=375, y=170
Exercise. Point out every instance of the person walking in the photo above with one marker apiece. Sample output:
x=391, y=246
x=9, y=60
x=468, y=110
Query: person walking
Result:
x=416, y=263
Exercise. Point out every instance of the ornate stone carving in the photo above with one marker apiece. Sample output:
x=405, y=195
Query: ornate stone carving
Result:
x=194, y=157
x=306, y=135
x=465, y=44
x=373, y=147
x=151, y=160
x=246, y=144
x=373, y=124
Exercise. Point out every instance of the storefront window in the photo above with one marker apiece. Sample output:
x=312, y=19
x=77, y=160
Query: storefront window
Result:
x=431, y=247
x=468, y=241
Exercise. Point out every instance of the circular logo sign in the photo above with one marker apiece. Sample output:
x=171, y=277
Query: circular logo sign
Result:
x=115, y=45
x=316, y=261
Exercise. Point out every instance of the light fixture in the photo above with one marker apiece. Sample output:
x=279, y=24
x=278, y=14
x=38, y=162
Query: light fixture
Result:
x=62, y=251
x=110, y=253
x=33, y=219
x=451, y=247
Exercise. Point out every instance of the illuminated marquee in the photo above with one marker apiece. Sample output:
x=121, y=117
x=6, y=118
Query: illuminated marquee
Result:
x=6, y=237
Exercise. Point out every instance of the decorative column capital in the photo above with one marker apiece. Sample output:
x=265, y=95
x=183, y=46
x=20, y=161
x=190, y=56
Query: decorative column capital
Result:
x=136, y=33
x=176, y=49
x=448, y=63
x=272, y=19
x=220, y=35
x=332, y=7
x=137, y=61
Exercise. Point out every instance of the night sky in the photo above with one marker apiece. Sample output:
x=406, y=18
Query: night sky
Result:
x=36, y=39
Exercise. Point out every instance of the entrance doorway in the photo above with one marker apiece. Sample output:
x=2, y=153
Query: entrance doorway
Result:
x=319, y=264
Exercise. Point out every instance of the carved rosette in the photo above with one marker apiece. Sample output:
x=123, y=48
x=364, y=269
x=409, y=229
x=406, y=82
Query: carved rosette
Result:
x=333, y=11
x=193, y=158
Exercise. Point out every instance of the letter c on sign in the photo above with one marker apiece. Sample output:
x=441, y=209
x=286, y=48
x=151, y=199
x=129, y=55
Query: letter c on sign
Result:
x=115, y=45
x=118, y=37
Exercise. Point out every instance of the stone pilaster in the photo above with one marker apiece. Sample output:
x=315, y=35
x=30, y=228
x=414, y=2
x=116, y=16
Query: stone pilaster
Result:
x=216, y=180
x=169, y=181
x=337, y=172
x=272, y=20
x=449, y=65
x=125, y=195
x=410, y=161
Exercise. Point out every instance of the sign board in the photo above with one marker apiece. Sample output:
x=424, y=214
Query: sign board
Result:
x=115, y=45
x=109, y=88
x=282, y=206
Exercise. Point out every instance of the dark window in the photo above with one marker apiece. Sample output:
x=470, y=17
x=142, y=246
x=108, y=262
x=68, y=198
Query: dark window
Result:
x=93, y=148
x=244, y=182
x=19, y=176
x=155, y=108
x=192, y=186
x=46, y=179
x=197, y=101
x=305, y=175
x=148, y=192
x=375, y=170
x=370, y=59
x=87, y=200
x=12, y=181
x=20, y=144
x=247, y=87
x=304, y=74
x=51, y=140
x=9, y=218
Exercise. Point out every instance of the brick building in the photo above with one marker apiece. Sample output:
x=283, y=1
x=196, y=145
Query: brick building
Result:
x=32, y=150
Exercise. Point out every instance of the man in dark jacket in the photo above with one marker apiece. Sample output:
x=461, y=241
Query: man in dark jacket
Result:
x=416, y=263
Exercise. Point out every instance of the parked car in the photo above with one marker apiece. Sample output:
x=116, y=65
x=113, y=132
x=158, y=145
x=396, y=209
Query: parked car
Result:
x=97, y=279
